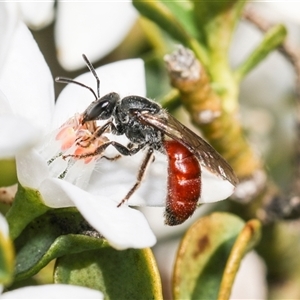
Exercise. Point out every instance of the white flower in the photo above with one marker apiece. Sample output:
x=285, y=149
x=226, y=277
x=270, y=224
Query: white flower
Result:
x=94, y=28
x=94, y=186
x=25, y=110
x=42, y=167
x=36, y=14
x=26, y=82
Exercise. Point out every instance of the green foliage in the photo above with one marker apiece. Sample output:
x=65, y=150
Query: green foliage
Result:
x=203, y=256
x=207, y=27
x=272, y=39
x=129, y=274
x=26, y=207
x=161, y=14
x=56, y=233
x=216, y=21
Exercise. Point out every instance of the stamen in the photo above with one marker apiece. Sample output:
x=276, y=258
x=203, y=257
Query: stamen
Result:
x=50, y=161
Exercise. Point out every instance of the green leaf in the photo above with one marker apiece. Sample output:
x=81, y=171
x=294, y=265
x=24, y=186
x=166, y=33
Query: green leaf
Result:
x=272, y=39
x=184, y=9
x=6, y=260
x=216, y=20
x=26, y=207
x=247, y=239
x=56, y=233
x=203, y=255
x=158, y=12
x=129, y=274
x=157, y=81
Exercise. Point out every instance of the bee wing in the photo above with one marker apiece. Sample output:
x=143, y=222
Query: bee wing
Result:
x=206, y=154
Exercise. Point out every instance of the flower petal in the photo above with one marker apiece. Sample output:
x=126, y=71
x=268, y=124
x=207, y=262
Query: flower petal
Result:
x=8, y=23
x=123, y=227
x=32, y=169
x=16, y=135
x=53, y=291
x=25, y=79
x=37, y=14
x=54, y=194
x=114, y=179
x=214, y=188
x=126, y=77
x=80, y=26
x=5, y=108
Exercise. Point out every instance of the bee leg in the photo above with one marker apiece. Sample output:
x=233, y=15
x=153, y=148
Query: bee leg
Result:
x=112, y=158
x=119, y=147
x=100, y=130
x=149, y=158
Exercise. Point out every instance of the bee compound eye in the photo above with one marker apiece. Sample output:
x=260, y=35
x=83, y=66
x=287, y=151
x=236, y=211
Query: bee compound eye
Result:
x=102, y=108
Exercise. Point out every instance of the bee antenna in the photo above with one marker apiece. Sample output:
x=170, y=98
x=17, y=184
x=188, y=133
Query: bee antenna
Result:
x=69, y=80
x=92, y=69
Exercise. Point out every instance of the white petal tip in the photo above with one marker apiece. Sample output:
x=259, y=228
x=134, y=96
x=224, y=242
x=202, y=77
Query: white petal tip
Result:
x=214, y=188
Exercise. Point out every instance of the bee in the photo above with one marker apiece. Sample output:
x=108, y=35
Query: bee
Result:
x=151, y=128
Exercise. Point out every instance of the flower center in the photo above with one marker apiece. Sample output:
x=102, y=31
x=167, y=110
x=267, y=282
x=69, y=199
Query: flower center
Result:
x=79, y=141
x=70, y=150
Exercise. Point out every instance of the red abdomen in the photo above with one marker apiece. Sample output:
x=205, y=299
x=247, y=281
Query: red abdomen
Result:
x=184, y=183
